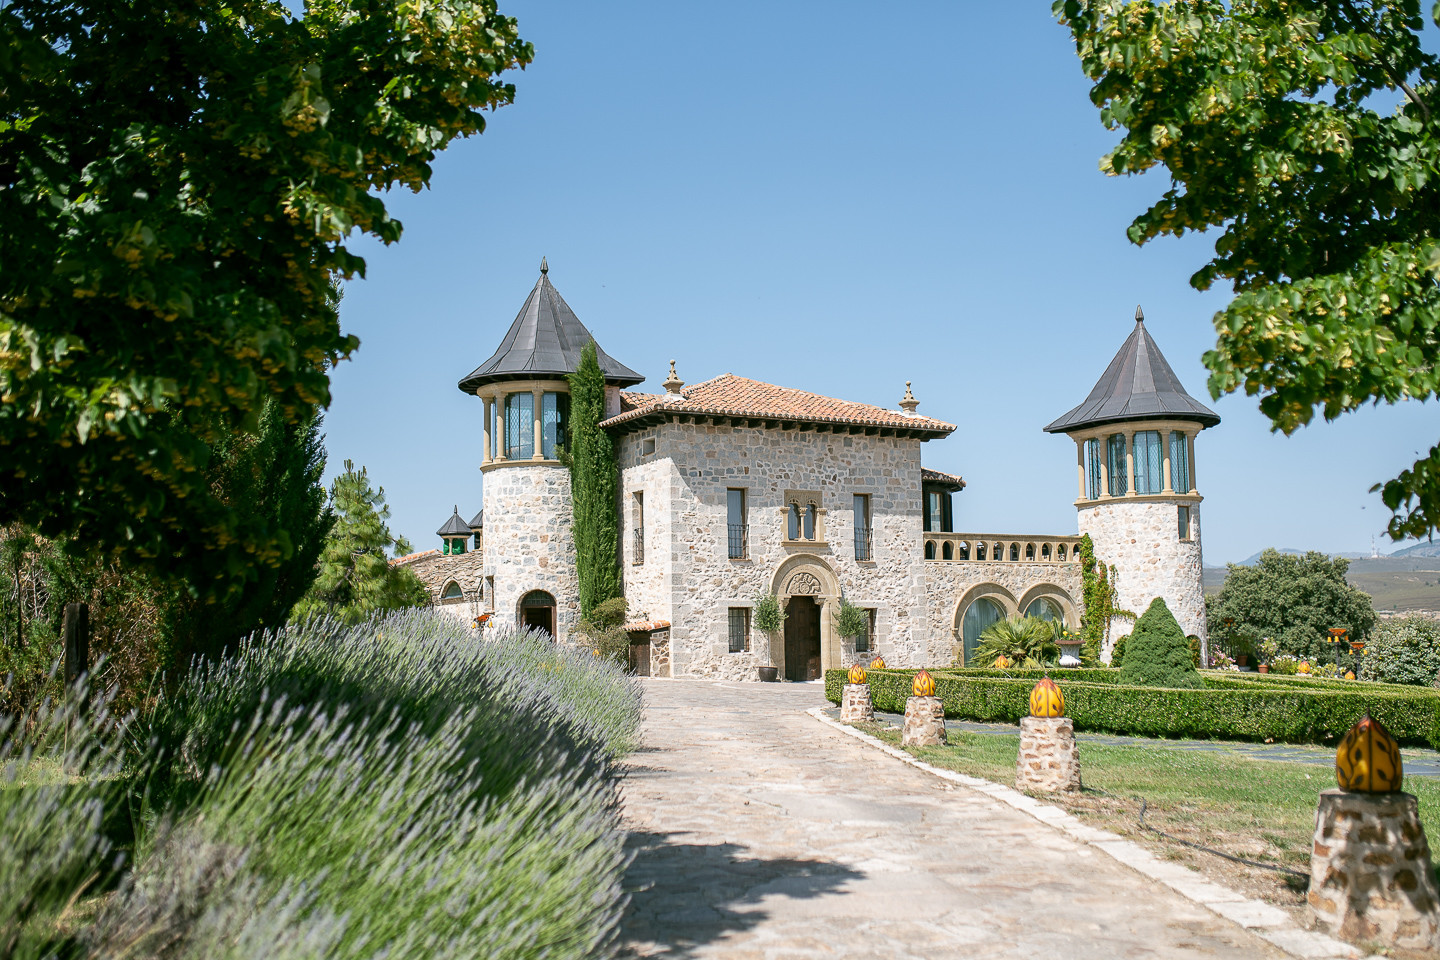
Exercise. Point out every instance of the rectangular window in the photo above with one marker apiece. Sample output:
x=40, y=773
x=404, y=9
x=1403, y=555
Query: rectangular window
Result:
x=1183, y=518
x=792, y=521
x=1179, y=462
x=862, y=526
x=934, y=512
x=1092, y=469
x=739, y=629
x=637, y=531
x=554, y=422
x=737, y=530
x=520, y=426
x=866, y=641
x=1115, y=463
x=1149, y=461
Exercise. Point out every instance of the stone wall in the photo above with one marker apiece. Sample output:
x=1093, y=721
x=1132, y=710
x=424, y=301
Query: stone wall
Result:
x=694, y=581
x=1142, y=539
x=528, y=540
x=436, y=571
x=952, y=585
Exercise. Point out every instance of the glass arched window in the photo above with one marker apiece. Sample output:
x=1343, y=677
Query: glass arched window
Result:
x=1045, y=609
x=1179, y=462
x=792, y=522
x=452, y=591
x=554, y=422
x=978, y=616
x=810, y=509
x=1148, y=461
x=520, y=426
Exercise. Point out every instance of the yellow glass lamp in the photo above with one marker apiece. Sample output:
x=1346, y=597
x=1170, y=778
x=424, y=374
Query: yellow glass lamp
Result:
x=1046, y=700
x=1304, y=667
x=1002, y=663
x=857, y=674
x=923, y=685
x=878, y=663
x=1368, y=760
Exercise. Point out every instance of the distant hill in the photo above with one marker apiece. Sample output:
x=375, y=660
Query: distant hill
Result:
x=1254, y=558
x=1403, y=581
x=1419, y=550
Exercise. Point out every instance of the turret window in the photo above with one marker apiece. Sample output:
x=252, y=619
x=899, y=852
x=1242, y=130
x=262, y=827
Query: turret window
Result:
x=1092, y=469
x=554, y=422
x=1179, y=462
x=1183, y=522
x=1115, y=464
x=520, y=426
x=1148, y=461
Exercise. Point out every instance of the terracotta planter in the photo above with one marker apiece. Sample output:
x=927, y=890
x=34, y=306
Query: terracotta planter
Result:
x=1242, y=660
x=768, y=674
x=1264, y=668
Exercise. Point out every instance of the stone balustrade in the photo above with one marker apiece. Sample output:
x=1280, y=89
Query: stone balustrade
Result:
x=998, y=547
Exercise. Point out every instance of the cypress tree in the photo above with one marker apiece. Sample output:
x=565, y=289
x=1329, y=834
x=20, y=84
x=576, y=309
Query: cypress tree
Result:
x=1157, y=654
x=594, y=478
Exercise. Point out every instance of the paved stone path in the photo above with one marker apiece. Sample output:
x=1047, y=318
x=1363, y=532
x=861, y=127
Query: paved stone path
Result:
x=762, y=833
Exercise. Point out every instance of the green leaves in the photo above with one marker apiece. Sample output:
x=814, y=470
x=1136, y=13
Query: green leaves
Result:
x=593, y=486
x=1328, y=209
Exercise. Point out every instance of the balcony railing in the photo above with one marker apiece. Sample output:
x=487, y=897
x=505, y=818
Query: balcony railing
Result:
x=862, y=545
x=739, y=541
x=1000, y=548
x=637, y=553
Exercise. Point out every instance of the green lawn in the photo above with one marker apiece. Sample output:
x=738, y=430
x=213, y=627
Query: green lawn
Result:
x=1262, y=810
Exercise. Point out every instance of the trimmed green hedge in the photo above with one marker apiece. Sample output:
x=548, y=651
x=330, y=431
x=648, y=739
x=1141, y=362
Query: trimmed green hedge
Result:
x=1243, y=711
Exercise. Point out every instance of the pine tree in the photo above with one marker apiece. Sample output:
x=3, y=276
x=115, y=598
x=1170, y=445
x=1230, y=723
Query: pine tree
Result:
x=594, y=474
x=355, y=579
x=1157, y=653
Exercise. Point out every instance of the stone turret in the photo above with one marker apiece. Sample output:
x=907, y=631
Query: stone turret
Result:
x=530, y=565
x=1135, y=454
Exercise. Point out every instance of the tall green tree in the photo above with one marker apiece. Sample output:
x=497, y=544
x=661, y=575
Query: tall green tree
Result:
x=594, y=475
x=179, y=183
x=1272, y=119
x=1157, y=654
x=356, y=579
x=1295, y=600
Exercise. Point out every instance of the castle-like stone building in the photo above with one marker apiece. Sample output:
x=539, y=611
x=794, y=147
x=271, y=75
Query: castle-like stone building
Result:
x=732, y=488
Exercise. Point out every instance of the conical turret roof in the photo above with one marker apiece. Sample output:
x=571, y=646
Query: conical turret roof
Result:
x=544, y=343
x=1138, y=385
x=454, y=527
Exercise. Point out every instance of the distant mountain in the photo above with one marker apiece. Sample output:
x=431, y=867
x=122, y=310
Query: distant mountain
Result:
x=1254, y=558
x=1419, y=550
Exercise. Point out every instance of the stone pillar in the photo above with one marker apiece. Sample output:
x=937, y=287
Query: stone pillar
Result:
x=1049, y=761
x=485, y=444
x=1370, y=873
x=537, y=396
x=924, y=722
x=855, y=703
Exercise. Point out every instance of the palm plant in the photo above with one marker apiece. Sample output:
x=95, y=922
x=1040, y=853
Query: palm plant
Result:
x=1024, y=641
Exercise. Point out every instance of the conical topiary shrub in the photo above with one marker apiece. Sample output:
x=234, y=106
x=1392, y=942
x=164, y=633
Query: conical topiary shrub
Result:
x=1158, y=653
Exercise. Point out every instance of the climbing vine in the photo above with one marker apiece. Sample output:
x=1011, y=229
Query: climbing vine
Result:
x=593, y=487
x=1098, y=581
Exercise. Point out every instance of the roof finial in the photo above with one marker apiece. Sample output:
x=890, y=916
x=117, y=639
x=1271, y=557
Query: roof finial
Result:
x=908, y=403
x=673, y=383
x=1139, y=314
x=544, y=267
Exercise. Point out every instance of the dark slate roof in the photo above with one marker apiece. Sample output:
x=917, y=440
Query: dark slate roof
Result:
x=454, y=527
x=544, y=343
x=1138, y=385
x=477, y=522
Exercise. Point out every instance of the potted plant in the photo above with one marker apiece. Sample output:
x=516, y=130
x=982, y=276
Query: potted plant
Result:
x=769, y=618
x=1269, y=649
x=851, y=621
x=1242, y=649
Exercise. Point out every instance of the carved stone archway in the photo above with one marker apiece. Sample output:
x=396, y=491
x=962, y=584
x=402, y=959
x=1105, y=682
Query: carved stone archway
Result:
x=807, y=575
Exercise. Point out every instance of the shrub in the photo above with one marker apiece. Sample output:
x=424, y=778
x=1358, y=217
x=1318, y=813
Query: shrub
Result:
x=1403, y=650
x=1157, y=653
x=769, y=615
x=1024, y=641
x=852, y=621
x=602, y=630
x=1117, y=653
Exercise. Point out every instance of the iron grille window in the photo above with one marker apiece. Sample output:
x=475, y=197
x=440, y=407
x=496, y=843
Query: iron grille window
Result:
x=638, y=553
x=739, y=629
x=866, y=641
x=862, y=527
x=520, y=426
x=1092, y=469
x=637, y=513
x=739, y=540
x=1148, y=461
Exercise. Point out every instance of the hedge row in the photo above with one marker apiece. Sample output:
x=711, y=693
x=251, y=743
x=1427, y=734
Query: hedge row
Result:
x=1315, y=715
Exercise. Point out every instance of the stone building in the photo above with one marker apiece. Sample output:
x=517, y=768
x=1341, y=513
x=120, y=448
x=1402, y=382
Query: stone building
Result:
x=454, y=574
x=731, y=489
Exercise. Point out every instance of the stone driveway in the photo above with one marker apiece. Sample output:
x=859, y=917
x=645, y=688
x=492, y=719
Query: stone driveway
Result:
x=759, y=832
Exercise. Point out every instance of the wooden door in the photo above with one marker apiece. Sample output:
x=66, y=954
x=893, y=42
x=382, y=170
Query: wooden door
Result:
x=802, y=639
x=640, y=657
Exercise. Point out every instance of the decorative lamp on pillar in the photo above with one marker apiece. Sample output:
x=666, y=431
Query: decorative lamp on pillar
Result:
x=924, y=714
x=878, y=663
x=1370, y=874
x=1337, y=635
x=1049, y=761
x=855, y=702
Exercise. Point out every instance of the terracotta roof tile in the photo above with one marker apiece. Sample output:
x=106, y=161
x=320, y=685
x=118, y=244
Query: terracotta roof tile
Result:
x=412, y=557
x=730, y=396
x=646, y=626
x=935, y=476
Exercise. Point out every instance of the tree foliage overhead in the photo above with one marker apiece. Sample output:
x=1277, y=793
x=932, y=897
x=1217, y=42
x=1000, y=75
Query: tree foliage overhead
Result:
x=356, y=579
x=594, y=476
x=1266, y=113
x=177, y=186
x=1295, y=600
x=1157, y=653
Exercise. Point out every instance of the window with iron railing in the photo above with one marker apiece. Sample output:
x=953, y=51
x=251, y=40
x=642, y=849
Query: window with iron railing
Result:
x=637, y=553
x=862, y=526
x=739, y=540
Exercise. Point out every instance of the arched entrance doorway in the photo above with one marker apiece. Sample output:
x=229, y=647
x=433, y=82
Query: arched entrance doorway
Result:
x=537, y=612
x=802, y=639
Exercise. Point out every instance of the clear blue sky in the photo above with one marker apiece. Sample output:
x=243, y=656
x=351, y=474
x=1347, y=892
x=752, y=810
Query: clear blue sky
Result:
x=837, y=197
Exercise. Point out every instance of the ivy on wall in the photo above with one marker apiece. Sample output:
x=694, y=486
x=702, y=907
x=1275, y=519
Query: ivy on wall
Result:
x=1098, y=582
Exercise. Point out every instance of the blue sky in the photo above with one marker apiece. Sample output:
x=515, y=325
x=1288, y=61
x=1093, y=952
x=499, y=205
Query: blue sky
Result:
x=837, y=197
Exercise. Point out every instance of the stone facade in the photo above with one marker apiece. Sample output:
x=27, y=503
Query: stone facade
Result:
x=1371, y=879
x=855, y=703
x=952, y=586
x=688, y=578
x=437, y=572
x=924, y=722
x=1140, y=536
x=1049, y=760
x=528, y=543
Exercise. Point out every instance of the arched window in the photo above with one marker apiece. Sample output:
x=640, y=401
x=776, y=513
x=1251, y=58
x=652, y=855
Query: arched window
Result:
x=982, y=612
x=1045, y=551
x=964, y=550
x=1061, y=553
x=452, y=591
x=810, y=510
x=537, y=612
x=1029, y=551
x=980, y=551
x=929, y=549
x=1045, y=609
x=1015, y=551
x=947, y=552
x=792, y=522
